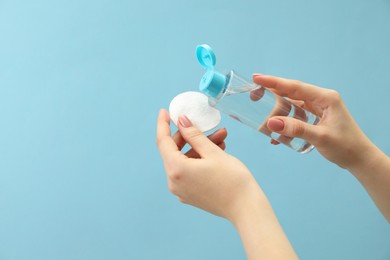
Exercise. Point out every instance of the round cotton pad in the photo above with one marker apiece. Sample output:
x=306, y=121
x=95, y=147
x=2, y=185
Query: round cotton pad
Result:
x=195, y=106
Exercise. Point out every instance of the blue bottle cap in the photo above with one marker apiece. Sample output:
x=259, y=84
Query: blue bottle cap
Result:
x=206, y=56
x=212, y=83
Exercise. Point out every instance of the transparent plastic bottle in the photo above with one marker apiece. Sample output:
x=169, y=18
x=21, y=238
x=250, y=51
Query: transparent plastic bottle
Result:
x=249, y=103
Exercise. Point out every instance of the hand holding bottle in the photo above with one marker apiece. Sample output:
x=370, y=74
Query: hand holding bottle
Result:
x=235, y=96
x=337, y=136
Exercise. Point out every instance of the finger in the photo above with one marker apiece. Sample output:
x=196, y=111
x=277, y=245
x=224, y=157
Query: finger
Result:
x=311, y=107
x=274, y=142
x=222, y=146
x=193, y=154
x=164, y=141
x=198, y=141
x=290, y=88
x=292, y=127
x=179, y=140
x=257, y=94
x=216, y=137
x=298, y=103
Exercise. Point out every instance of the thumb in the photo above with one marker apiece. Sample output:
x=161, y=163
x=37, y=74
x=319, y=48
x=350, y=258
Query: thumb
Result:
x=194, y=137
x=293, y=128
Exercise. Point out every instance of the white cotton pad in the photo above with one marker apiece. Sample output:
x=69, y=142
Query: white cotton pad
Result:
x=196, y=107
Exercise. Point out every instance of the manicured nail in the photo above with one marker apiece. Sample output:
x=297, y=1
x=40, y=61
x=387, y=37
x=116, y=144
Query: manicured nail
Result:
x=275, y=124
x=184, y=121
x=257, y=75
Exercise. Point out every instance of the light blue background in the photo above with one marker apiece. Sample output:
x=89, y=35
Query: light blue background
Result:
x=81, y=83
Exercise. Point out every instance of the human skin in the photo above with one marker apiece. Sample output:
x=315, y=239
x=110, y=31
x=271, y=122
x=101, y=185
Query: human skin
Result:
x=337, y=136
x=210, y=179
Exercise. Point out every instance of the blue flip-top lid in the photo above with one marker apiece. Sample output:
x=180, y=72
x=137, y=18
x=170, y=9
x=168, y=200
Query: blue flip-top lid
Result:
x=206, y=56
x=212, y=82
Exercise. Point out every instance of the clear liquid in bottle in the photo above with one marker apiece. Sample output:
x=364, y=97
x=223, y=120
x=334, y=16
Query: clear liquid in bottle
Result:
x=253, y=105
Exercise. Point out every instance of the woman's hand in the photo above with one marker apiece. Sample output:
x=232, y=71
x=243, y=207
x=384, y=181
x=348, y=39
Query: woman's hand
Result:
x=208, y=178
x=205, y=177
x=337, y=137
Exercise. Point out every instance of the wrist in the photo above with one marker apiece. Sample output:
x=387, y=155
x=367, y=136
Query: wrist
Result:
x=260, y=231
x=367, y=157
x=250, y=203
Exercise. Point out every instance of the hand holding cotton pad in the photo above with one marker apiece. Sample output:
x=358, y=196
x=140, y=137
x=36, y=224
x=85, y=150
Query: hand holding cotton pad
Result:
x=195, y=106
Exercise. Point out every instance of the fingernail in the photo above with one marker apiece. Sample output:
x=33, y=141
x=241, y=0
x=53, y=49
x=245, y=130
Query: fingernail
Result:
x=184, y=121
x=257, y=75
x=276, y=125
